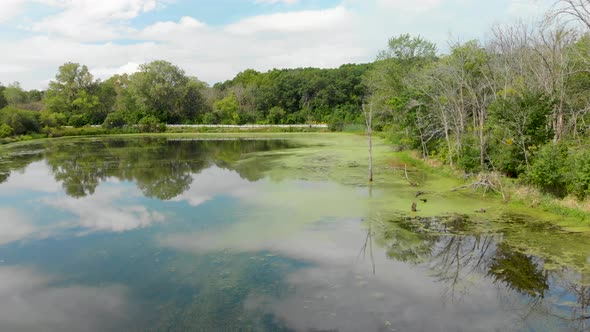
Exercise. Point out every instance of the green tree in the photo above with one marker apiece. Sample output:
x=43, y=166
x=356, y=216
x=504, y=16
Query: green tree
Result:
x=519, y=124
x=227, y=109
x=15, y=95
x=72, y=93
x=3, y=101
x=159, y=88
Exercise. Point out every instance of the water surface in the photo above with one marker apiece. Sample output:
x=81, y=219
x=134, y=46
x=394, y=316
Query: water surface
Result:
x=161, y=233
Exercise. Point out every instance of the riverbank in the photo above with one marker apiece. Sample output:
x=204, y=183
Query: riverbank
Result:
x=512, y=191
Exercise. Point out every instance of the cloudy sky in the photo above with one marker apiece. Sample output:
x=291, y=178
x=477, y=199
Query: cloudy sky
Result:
x=215, y=39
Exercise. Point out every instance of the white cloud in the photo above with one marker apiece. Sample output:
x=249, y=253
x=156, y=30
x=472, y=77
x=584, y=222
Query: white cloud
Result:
x=354, y=31
x=293, y=22
x=106, y=72
x=91, y=20
x=9, y=9
x=528, y=8
x=325, y=38
x=272, y=2
x=415, y=5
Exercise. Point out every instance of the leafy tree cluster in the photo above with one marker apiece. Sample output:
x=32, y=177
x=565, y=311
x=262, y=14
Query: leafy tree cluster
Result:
x=161, y=93
x=518, y=103
x=289, y=96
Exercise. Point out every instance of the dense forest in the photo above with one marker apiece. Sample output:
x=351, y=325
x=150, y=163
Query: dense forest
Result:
x=517, y=103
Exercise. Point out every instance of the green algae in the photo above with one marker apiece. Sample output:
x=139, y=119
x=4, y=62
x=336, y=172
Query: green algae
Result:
x=342, y=159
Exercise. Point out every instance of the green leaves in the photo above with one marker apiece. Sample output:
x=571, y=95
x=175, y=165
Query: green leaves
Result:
x=6, y=130
x=162, y=90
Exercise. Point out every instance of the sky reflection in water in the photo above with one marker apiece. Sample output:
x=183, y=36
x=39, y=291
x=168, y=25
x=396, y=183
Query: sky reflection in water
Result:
x=140, y=234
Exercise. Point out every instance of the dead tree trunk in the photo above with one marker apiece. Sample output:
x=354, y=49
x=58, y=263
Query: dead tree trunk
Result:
x=369, y=126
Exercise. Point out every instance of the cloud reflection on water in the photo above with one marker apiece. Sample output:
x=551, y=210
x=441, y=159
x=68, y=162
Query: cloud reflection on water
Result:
x=104, y=210
x=35, y=177
x=31, y=302
x=212, y=182
x=339, y=291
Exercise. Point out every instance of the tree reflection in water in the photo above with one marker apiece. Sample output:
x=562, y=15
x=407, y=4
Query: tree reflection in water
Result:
x=160, y=167
x=458, y=254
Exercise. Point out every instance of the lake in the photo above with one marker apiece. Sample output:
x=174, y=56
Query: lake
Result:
x=269, y=233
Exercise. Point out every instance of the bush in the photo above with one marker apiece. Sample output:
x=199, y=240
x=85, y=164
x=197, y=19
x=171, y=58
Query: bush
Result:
x=115, y=120
x=210, y=118
x=21, y=121
x=275, y=115
x=151, y=124
x=578, y=175
x=469, y=156
x=78, y=120
x=52, y=120
x=548, y=169
x=6, y=130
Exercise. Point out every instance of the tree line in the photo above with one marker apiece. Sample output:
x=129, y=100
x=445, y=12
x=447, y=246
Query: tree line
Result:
x=516, y=103
x=161, y=92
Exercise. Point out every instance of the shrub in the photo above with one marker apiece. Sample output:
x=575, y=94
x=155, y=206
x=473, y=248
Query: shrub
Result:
x=6, y=130
x=469, y=156
x=548, y=169
x=578, y=175
x=210, y=118
x=151, y=124
x=275, y=115
x=78, y=120
x=115, y=120
x=21, y=121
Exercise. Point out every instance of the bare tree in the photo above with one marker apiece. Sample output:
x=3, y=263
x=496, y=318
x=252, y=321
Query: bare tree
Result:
x=368, y=115
x=551, y=45
x=572, y=10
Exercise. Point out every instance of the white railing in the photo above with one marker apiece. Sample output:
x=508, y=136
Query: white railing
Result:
x=246, y=126
x=254, y=126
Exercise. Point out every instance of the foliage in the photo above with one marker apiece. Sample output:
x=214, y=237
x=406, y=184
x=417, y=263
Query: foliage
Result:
x=21, y=121
x=275, y=115
x=6, y=130
x=151, y=124
x=549, y=168
x=78, y=120
x=3, y=101
x=520, y=124
x=115, y=120
x=226, y=110
x=578, y=174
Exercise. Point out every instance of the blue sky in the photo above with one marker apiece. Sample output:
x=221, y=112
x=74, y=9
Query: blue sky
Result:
x=216, y=39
